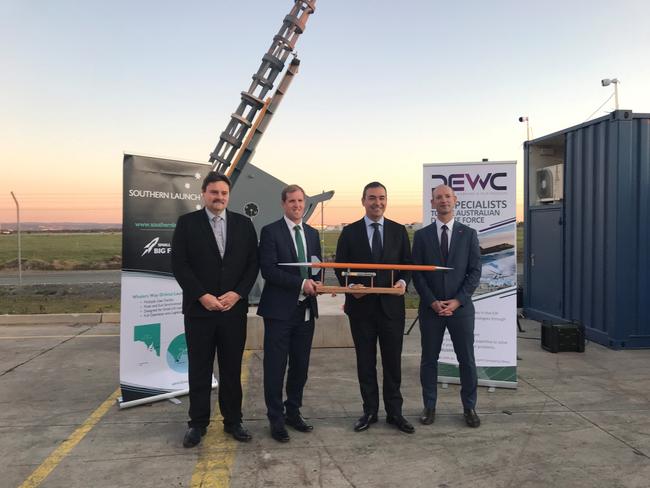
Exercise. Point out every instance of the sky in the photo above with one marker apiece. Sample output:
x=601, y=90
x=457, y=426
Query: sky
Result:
x=384, y=87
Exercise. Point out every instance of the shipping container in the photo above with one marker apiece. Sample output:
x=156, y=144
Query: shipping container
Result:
x=587, y=228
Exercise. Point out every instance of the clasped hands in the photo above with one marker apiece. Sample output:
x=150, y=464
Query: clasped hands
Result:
x=221, y=303
x=445, y=308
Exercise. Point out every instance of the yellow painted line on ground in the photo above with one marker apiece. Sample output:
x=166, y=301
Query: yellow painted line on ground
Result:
x=53, y=460
x=57, y=336
x=217, y=452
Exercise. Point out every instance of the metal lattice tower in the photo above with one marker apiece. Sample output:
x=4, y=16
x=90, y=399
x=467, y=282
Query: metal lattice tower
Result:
x=252, y=100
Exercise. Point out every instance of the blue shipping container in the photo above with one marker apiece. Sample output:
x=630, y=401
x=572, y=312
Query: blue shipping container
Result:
x=587, y=225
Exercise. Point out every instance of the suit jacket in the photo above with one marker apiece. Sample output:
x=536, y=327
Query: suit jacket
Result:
x=460, y=282
x=199, y=268
x=353, y=247
x=283, y=284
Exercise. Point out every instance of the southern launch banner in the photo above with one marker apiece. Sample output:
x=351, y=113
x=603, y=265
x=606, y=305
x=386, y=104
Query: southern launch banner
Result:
x=153, y=352
x=486, y=202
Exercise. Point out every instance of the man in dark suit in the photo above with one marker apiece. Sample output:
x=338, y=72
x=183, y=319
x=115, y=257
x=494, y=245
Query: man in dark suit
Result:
x=214, y=260
x=446, y=300
x=375, y=239
x=288, y=306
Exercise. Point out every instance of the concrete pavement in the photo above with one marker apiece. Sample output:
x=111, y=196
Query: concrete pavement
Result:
x=576, y=420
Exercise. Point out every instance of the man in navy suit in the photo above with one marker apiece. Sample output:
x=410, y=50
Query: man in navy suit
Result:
x=214, y=260
x=289, y=308
x=375, y=317
x=446, y=300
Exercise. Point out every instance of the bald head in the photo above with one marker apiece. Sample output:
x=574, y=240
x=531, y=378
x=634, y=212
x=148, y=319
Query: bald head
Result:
x=444, y=200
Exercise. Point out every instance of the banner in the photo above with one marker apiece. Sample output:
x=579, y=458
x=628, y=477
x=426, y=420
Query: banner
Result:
x=486, y=194
x=153, y=352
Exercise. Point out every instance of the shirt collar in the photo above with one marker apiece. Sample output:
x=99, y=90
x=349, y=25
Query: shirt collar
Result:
x=291, y=224
x=369, y=222
x=450, y=224
x=213, y=215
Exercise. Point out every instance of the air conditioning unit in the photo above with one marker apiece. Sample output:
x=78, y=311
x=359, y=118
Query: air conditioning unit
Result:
x=550, y=183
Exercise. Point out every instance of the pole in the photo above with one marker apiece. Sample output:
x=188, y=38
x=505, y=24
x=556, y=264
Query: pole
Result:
x=616, y=94
x=20, y=264
x=322, y=226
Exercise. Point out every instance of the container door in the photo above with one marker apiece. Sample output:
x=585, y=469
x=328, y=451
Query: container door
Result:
x=546, y=261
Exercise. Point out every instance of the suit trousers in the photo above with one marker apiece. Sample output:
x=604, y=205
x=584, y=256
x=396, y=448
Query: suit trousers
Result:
x=204, y=336
x=286, y=341
x=461, y=330
x=366, y=331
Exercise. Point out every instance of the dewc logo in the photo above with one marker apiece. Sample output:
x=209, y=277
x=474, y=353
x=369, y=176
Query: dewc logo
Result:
x=466, y=181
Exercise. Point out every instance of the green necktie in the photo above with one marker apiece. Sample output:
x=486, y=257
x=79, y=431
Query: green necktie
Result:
x=301, y=252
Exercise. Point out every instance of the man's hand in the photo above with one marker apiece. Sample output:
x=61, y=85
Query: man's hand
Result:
x=448, y=307
x=436, y=306
x=309, y=287
x=211, y=303
x=357, y=295
x=401, y=285
x=228, y=300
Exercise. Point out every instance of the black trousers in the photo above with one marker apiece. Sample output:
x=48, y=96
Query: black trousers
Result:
x=286, y=341
x=225, y=335
x=366, y=331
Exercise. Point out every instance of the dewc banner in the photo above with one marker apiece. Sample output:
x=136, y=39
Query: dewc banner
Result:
x=153, y=352
x=486, y=194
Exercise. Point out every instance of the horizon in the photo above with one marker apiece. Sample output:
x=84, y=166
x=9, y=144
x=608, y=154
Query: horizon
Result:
x=380, y=93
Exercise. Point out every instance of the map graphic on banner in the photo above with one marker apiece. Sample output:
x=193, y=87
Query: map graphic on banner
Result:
x=486, y=194
x=153, y=352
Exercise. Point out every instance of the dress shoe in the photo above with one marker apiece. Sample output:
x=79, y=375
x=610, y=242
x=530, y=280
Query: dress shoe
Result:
x=279, y=433
x=471, y=418
x=298, y=423
x=428, y=416
x=364, y=421
x=401, y=423
x=193, y=436
x=238, y=432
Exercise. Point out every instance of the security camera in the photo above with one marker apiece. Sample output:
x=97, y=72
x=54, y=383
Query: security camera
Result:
x=523, y=119
x=608, y=81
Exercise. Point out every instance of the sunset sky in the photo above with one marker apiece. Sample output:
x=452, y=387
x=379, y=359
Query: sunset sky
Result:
x=384, y=87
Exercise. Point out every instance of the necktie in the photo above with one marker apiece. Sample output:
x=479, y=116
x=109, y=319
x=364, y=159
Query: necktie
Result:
x=301, y=252
x=376, y=243
x=217, y=225
x=444, y=244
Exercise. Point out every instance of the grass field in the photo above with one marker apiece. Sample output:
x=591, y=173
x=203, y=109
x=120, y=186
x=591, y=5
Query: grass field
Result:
x=63, y=251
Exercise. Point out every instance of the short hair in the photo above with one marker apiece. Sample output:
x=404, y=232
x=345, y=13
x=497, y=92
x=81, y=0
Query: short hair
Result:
x=442, y=185
x=291, y=189
x=372, y=184
x=212, y=177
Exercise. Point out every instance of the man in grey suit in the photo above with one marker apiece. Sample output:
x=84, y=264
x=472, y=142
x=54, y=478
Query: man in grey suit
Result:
x=446, y=301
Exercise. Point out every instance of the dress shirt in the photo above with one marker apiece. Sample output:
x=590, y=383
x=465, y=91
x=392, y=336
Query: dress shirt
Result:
x=450, y=226
x=370, y=231
x=291, y=224
x=219, y=223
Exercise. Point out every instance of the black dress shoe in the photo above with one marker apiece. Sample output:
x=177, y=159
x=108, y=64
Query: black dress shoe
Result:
x=238, y=432
x=401, y=423
x=471, y=418
x=298, y=423
x=364, y=421
x=428, y=416
x=193, y=436
x=279, y=433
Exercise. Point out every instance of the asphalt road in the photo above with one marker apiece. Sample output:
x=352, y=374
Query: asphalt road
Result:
x=61, y=277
